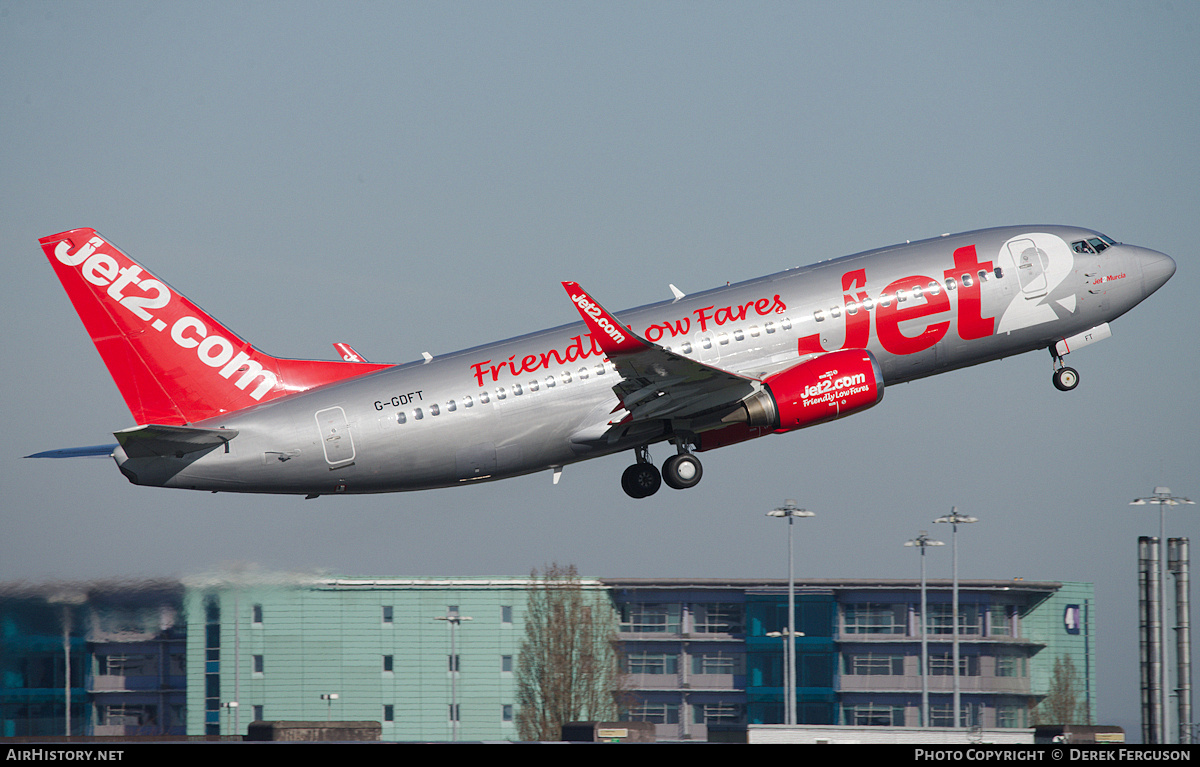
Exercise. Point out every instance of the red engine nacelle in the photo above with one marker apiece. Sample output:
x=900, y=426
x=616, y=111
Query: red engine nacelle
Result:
x=822, y=389
x=815, y=391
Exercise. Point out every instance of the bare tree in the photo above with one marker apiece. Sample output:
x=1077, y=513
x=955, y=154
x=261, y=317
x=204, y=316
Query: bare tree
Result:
x=569, y=668
x=1061, y=704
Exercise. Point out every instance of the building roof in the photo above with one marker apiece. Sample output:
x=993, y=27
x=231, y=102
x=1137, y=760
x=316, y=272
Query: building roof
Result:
x=830, y=584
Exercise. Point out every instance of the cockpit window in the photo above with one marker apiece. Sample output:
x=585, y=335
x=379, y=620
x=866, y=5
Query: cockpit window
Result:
x=1092, y=244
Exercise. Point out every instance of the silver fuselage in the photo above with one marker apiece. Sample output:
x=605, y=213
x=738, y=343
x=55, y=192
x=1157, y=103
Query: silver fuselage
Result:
x=543, y=400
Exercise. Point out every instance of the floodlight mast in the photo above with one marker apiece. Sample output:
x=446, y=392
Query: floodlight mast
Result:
x=790, y=511
x=922, y=542
x=954, y=519
x=454, y=619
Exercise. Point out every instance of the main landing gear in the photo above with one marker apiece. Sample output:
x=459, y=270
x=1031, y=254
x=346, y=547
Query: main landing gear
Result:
x=1065, y=378
x=643, y=479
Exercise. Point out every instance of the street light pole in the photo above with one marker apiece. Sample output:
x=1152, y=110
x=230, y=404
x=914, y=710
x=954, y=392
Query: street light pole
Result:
x=954, y=519
x=1162, y=498
x=454, y=619
x=790, y=510
x=68, y=600
x=329, y=698
x=922, y=542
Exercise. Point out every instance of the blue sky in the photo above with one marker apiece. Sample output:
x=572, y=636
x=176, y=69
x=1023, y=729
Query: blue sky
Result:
x=415, y=177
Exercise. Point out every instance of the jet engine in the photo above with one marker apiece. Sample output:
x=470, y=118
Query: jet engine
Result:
x=815, y=391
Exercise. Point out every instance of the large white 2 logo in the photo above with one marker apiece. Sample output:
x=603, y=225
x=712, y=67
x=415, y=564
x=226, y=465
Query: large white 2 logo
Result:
x=1041, y=262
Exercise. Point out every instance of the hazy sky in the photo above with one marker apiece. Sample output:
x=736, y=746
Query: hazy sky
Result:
x=415, y=177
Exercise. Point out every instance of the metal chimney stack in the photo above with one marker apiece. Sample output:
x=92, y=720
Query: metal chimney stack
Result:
x=1153, y=729
x=1178, y=562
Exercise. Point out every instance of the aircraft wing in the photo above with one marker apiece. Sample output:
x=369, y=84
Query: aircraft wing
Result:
x=656, y=383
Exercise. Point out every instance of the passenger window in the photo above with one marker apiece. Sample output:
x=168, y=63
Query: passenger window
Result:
x=566, y=376
x=467, y=401
x=885, y=300
x=600, y=369
x=434, y=409
x=451, y=407
x=868, y=304
x=916, y=292
x=934, y=288
x=983, y=275
x=722, y=338
x=769, y=327
x=518, y=390
x=583, y=374
x=852, y=308
x=706, y=342
x=835, y=312
x=418, y=415
x=998, y=272
x=533, y=385
x=950, y=283
x=786, y=324
x=754, y=328
x=966, y=281
x=401, y=417
x=900, y=296
x=483, y=398
x=686, y=348
x=501, y=393
x=818, y=315
x=549, y=382
x=738, y=335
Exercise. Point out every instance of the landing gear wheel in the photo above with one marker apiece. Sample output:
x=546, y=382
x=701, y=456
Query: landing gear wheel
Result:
x=641, y=480
x=1065, y=379
x=682, y=471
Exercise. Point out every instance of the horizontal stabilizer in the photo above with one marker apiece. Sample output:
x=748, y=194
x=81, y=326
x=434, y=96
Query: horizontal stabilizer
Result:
x=94, y=451
x=170, y=441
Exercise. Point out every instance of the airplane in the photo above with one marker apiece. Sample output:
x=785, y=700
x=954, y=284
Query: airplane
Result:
x=767, y=356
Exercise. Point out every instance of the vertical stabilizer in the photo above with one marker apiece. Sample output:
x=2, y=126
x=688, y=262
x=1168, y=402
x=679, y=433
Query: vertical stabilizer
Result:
x=173, y=363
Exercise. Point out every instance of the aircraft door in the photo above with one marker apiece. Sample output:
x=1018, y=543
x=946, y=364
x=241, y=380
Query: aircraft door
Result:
x=336, y=438
x=1031, y=262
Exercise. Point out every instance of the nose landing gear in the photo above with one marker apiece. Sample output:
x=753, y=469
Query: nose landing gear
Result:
x=1064, y=378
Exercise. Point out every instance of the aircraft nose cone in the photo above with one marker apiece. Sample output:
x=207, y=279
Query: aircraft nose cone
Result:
x=1157, y=268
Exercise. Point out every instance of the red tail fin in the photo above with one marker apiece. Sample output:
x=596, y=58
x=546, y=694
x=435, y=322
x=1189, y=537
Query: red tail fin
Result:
x=172, y=362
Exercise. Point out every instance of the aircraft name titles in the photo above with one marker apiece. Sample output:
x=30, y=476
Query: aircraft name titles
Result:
x=400, y=400
x=706, y=316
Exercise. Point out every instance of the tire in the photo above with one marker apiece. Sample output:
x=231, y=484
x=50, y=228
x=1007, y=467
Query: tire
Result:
x=682, y=471
x=1065, y=379
x=641, y=480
